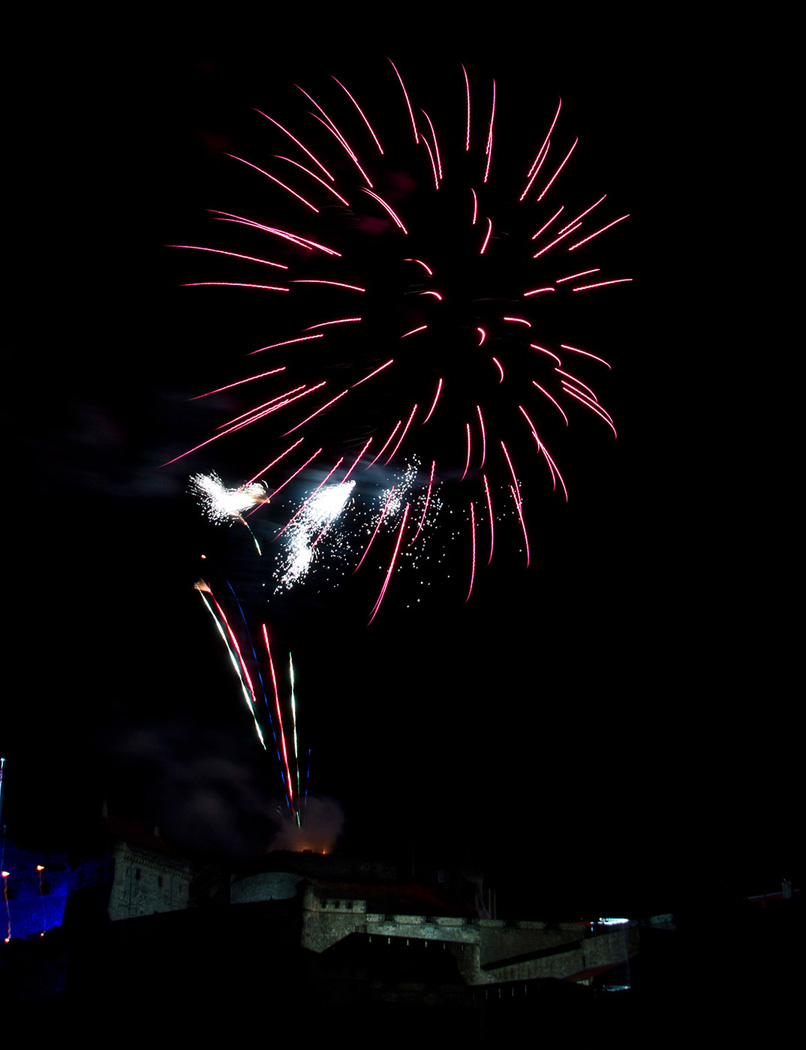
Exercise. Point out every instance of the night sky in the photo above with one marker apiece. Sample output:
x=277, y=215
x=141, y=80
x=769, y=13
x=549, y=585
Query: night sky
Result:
x=620, y=706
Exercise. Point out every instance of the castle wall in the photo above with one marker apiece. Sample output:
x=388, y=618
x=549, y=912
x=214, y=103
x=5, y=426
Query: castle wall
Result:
x=487, y=951
x=266, y=886
x=145, y=884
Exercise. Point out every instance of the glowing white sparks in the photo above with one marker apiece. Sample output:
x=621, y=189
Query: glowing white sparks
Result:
x=221, y=504
x=317, y=514
x=400, y=492
x=334, y=528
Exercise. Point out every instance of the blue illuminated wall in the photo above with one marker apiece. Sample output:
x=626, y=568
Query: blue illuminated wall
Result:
x=34, y=901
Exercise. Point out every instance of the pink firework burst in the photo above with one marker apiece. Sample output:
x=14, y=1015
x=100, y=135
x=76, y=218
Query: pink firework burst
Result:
x=417, y=274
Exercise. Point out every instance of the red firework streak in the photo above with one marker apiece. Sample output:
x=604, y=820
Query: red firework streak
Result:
x=246, y=662
x=429, y=364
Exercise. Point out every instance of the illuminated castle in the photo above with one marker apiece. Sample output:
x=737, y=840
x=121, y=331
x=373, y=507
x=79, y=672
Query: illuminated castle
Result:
x=296, y=928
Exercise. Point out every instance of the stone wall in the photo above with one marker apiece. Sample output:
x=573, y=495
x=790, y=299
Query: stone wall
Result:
x=146, y=883
x=487, y=951
x=265, y=886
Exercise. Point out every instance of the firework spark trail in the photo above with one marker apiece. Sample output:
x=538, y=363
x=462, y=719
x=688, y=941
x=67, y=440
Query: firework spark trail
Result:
x=234, y=650
x=427, y=500
x=331, y=127
x=298, y=471
x=483, y=438
x=252, y=415
x=267, y=468
x=294, y=725
x=491, y=517
x=234, y=255
x=288, y=780
x=472, y=550
x=239, y=382
x=434, y=402
x=385, y=445
x=403, y=434
x=357, y=460
x=291, y=779
x=259, y=675
x=467, y=458
x=363, y=117
x=377, y=527
x=374, y=199
x=391, y=564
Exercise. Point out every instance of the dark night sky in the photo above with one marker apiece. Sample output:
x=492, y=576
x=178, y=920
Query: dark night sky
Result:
x=620, y=705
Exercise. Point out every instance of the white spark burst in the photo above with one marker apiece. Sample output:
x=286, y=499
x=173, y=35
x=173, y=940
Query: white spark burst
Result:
x=314, y=520
x=221, y=504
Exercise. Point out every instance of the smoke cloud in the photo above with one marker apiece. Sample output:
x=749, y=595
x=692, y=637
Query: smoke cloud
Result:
x=322, y=824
